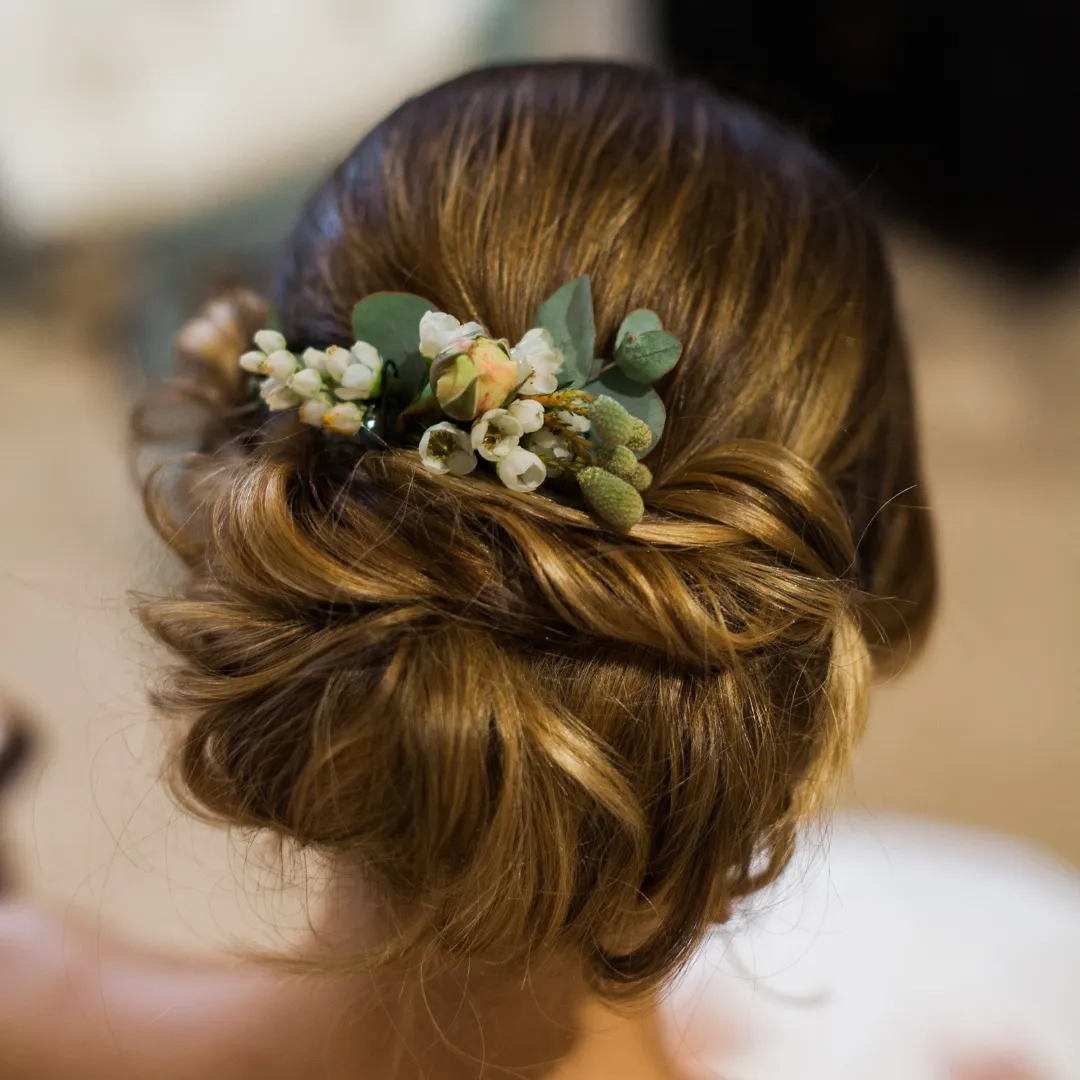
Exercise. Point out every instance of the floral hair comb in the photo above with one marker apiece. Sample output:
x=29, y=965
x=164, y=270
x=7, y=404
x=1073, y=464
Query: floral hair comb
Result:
x=543, y=410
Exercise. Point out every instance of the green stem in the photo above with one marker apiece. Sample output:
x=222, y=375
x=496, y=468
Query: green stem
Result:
x=573, y=466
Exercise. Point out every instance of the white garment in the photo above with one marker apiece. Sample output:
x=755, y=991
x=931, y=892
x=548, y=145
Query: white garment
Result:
x=886, y=952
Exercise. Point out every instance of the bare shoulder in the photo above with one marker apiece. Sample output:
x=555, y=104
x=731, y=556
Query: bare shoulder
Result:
x=77, y=1001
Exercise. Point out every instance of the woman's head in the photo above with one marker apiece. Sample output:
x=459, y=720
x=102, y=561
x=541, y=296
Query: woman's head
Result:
x=529, y=731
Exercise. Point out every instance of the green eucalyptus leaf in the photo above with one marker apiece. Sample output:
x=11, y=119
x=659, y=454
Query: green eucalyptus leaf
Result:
x=639, y=399
x=645, y=357
x=391, y=322
x=638, y=322
x=568, y=316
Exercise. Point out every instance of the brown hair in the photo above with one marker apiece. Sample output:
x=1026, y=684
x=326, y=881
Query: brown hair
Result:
x=532, y=732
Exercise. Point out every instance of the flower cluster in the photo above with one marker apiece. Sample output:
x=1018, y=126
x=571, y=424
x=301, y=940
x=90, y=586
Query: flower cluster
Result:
x=501, y=391
x=545, y=409
x=325, y=384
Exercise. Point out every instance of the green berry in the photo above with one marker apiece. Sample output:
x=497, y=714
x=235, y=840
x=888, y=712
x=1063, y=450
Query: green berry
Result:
x=618, y=460
x=641, y=478
x=640, y=437
x=613, y=499
x=611, y=423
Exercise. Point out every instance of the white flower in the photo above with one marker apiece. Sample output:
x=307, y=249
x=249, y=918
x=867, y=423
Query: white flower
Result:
x=314, y=412
x=307, y=382
x=337, y=362
x=539, y=382
x=550, y=445
x=366, y=354
x=270, y=341
x=444, y=448
x=356, y=383
x=361, y=379
x=574, y=421
x=437, y=330
x=521, y=470
x=496, y=434
x=277, y=395
x=344, y=419
x=315, y=359
x=528, y=413
x=539, y=362
x=280, y=364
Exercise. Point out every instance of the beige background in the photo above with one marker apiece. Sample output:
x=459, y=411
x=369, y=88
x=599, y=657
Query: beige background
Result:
x=983, y=730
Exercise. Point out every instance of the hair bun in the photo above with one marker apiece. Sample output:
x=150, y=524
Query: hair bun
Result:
x=530, y=731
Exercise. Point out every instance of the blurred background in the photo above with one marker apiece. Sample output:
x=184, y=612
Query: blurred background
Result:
x=151, y=150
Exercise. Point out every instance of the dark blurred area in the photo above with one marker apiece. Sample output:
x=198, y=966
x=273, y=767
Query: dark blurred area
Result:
x=16, y=745
x=959, y=117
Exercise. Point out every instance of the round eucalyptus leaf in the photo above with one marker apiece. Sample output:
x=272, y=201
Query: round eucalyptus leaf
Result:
x=391, y=323
x=638, y=322
x=568, y=316
x=645, y=357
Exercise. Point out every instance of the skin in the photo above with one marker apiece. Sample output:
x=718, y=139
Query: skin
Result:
x=76, y=1001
